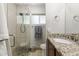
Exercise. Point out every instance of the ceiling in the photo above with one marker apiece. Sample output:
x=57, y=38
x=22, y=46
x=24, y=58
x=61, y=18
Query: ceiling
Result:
x=33, y=4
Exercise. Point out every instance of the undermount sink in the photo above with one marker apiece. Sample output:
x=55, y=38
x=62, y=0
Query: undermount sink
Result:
x=59, y=40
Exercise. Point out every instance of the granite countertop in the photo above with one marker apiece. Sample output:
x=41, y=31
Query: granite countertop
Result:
x=65, y=49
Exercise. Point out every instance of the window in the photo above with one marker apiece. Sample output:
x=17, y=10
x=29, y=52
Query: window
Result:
x=26, y=19
x=19, y=19
x=38, y=19
x=42, y=19
x=35, y=19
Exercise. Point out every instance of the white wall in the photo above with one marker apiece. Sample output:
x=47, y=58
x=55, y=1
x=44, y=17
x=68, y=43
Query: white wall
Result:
x=66, y=12
x=12, y=18
x=52, y=10
x=71, y=25
x=12, y=21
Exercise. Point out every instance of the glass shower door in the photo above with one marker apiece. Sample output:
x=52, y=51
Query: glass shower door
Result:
x=25, y=42
x=22, y=36
x=37, y=21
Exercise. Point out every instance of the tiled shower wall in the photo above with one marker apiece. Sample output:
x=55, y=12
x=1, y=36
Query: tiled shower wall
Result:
x=21, y=39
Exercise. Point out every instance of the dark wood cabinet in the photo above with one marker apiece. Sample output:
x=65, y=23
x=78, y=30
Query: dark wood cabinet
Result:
x=58, y=53
x=51, y=50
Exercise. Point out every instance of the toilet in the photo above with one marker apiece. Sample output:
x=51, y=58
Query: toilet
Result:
x=43, y=46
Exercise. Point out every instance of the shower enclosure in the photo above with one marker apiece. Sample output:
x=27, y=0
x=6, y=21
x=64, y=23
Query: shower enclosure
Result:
x=22, y=23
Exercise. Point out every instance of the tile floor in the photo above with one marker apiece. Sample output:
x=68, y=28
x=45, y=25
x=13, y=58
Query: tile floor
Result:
x=28, y=52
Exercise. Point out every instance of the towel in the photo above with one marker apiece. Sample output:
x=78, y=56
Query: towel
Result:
x=3, y=23
x=38, y=32
x=3, y=49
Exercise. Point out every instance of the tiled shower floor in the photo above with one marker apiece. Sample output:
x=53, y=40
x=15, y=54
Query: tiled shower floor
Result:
x=28, y=52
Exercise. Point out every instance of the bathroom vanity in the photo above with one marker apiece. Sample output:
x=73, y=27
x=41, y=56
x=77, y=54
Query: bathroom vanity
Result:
x=61, y=47
x=51, y=50
x=66, y=14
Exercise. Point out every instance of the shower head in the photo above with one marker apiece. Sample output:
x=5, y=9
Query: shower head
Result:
x=21, y=14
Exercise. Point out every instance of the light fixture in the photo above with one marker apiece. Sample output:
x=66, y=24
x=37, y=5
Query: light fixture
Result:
x=56, y=18
x=76, y=18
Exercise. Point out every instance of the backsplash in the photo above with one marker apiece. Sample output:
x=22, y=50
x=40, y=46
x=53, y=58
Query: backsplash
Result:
x=72, y=36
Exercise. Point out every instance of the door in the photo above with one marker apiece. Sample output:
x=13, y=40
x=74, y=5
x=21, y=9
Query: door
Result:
x=38, y=20
x=23, y=35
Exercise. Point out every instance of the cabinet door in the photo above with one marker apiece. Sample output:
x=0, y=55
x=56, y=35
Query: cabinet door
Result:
x=50, y=49
x=58, y=53
x=72, y=18
x=55, y=15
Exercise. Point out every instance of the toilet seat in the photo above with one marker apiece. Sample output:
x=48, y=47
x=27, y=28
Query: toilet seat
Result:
x=43, y=46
